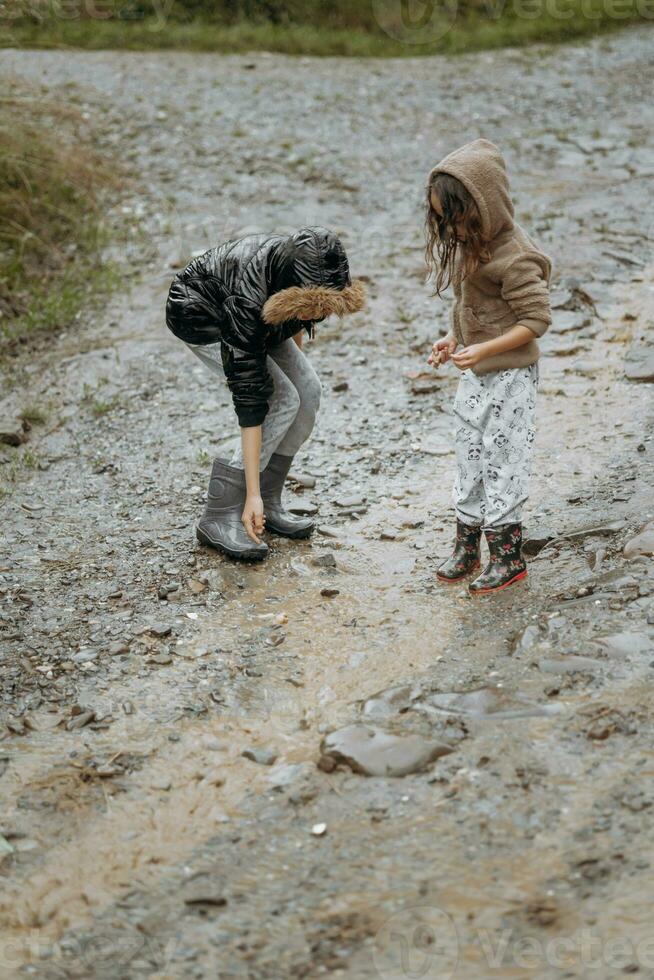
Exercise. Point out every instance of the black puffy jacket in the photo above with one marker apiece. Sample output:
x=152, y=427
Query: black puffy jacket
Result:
x=251, y=295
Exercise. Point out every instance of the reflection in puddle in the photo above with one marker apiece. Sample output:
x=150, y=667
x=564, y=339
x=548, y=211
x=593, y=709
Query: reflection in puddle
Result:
x=486, y=702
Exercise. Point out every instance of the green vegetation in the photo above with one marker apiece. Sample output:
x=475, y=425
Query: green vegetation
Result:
x=51, y=231
x=100, y=407
x=35, y=414
x=315, y=27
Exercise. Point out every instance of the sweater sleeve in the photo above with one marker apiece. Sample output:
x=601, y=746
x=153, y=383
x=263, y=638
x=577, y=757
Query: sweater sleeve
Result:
x=455, y=325
x=526, y=290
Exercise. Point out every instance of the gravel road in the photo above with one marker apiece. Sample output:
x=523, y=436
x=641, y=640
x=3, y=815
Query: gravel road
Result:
x=138, y=667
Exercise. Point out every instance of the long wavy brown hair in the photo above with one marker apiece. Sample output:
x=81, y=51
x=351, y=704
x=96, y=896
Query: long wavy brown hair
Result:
x=443, y=248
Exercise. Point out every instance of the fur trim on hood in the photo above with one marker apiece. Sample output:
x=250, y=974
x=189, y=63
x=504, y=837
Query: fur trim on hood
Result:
x=313, y=302
x=481, y=169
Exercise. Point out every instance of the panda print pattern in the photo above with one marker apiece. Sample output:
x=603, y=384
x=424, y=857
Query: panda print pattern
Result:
x=495, y=415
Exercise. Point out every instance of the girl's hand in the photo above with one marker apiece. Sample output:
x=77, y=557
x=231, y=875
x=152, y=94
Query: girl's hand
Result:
x=467, y=357
x=253, y=517
x=442, y=350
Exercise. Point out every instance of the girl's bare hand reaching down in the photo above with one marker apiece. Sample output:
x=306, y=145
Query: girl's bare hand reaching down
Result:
x=467, y=357
x=442, y=350
x=253, y=518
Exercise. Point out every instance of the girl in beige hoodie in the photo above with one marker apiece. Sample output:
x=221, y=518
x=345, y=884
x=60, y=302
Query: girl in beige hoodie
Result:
x=500, y=280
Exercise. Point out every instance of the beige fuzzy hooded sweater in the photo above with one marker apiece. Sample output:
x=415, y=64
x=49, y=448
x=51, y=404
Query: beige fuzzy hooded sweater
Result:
x=512, y=287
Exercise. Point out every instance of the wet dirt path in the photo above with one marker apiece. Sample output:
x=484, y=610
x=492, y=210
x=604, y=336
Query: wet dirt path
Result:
x=137, y=667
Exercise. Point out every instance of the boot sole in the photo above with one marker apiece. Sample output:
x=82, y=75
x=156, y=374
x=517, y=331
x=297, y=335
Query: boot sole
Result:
x=498, y=588
x=453, y=581
x=238, y=555
x=294, y=536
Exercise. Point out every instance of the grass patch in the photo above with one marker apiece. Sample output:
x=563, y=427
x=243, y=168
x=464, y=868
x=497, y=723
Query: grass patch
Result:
x=52, y=186
x=100, y=406
x=34, y=414
x=484, y=25
x=14, y=468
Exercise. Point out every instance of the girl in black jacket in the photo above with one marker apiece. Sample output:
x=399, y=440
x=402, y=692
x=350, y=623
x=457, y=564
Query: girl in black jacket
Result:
x=238, y=307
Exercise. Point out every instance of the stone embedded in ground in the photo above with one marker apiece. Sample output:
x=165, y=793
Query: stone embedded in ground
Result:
x=569, y=320
x=639, y=362
x=642, y=543
x=372, y=752
x=383, y=704
x=351, y=502
x=6, y=849
x=288, y=773
x=260, y=754
x=203, y=892
x=564, y=346
x=624, y=644
x=162, y=659
x=302, y=480
x=302, y=508
x=80, y=720
x=84, y=656
x=117, y=648
x=426, y=386
x=162, y=783
x=593, y=530
x=329, y=532
x=13, y=432
x=42, y=721
x=159, y=629
x=536, y=538
x=568, y=665
x=436, y=448
x=528, y=638
x=326, y=560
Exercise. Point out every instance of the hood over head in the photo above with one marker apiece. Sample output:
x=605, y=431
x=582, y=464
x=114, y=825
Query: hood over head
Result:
x=309, y=278
x=481, y=169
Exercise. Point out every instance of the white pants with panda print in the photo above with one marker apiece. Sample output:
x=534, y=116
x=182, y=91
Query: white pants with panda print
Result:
x=494, y=415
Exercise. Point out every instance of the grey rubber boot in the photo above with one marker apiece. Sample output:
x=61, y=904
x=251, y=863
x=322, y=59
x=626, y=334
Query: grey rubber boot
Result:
x=220, y=526
x=278, y=520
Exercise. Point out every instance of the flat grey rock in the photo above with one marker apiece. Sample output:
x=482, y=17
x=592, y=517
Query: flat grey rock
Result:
x=625, y=643
x=260, y=754
x=372, y=752
x=642, y=543
x=639, y=363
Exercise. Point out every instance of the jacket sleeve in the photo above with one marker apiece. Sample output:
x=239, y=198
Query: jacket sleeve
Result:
x=525, y=288
x=244, y=356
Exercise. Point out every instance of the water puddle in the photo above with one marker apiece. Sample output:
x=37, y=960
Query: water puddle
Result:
x=486, y=702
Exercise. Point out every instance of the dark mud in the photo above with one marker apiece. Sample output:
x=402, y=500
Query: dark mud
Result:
x=138, y=667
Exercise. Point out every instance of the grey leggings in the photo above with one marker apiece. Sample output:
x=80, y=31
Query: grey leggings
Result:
x=294, y=403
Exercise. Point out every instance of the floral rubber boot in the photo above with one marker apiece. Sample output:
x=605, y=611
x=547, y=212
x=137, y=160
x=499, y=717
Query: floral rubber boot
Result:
x=506, y=565
x=466, y=555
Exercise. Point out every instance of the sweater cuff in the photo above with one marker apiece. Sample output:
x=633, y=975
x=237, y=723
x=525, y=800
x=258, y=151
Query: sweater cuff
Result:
x=539, y=327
